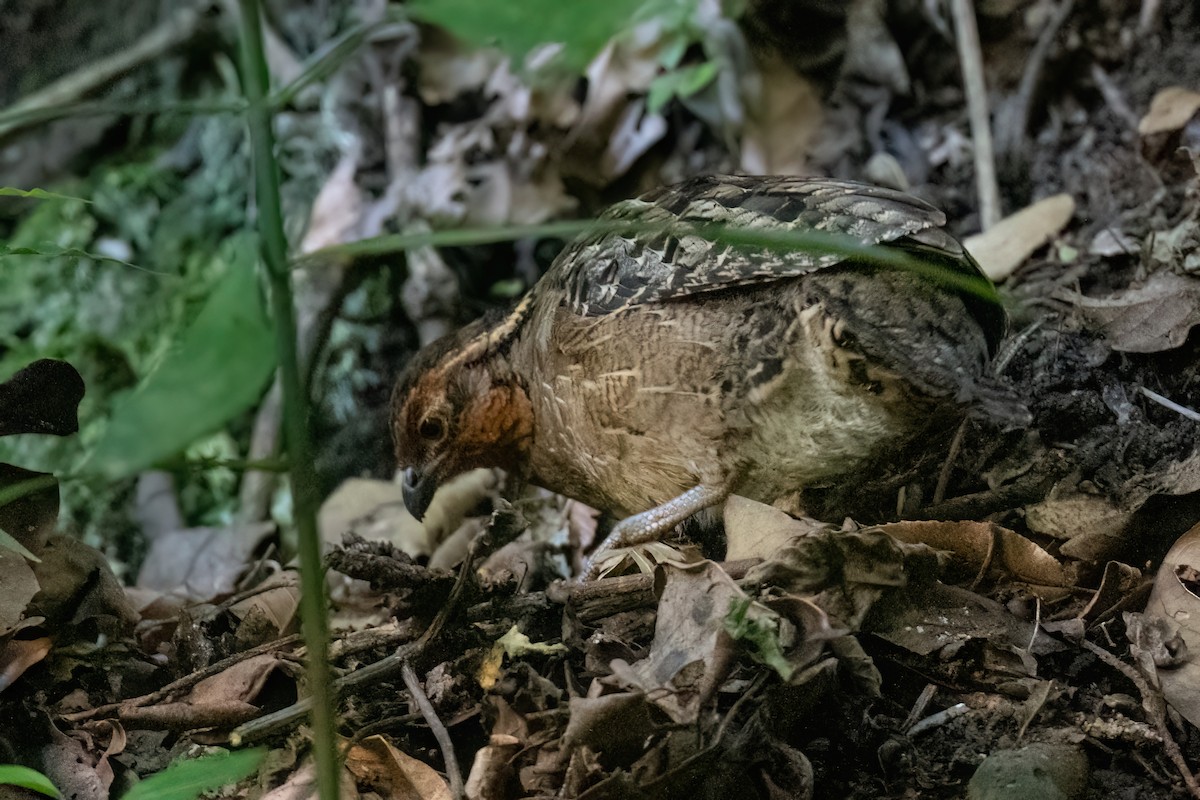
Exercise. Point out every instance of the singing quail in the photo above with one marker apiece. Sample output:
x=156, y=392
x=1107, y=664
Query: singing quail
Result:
x=652, y=372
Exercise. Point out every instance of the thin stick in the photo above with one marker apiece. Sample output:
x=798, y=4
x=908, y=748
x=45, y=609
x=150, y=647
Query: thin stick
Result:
x=966, y=33
x=181, y=26
x=1153, y=703
x=1182, y=411
x=439, y=730
x=943, y=481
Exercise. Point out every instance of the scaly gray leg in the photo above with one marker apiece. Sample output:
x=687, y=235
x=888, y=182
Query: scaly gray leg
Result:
x=653, y=524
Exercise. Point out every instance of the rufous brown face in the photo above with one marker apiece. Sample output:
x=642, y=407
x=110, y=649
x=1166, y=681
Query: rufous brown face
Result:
x=451, y=418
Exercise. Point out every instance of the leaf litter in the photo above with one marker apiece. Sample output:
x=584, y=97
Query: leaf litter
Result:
x=800, y=661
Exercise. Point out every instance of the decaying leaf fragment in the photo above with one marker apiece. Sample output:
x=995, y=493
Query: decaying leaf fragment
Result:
x=1149, y=319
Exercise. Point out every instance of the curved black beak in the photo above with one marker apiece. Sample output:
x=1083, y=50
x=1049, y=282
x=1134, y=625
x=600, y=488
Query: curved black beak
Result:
x=417, y=490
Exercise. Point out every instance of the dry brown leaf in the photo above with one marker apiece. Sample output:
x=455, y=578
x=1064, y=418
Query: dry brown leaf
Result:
x=1169, y=111
x=978, y=543
x=613, y=723
x=72, y=767
x=1117, y=585
x=302, y=785
x=446, y=69
x=77, y=584
x=393, y=774
x=689, y=653
x=18, y=655
x=1005, y=246
x=1178, y=248
x=756, y=530
x=782, y=122
x=947, y=617
x=374, y=510
x=277, y=604
x=1155, y=317
x=581, y=523
x=1176, y=599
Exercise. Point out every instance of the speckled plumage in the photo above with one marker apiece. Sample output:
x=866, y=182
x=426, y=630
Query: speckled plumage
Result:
x=647, y=364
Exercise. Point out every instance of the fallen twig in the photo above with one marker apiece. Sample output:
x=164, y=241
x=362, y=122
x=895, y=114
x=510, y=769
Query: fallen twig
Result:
x=453, y=773
x=181, y=26
x=966, y=34
x=1155, y=707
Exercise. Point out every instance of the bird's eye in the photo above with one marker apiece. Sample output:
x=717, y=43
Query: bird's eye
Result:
x=431, y=429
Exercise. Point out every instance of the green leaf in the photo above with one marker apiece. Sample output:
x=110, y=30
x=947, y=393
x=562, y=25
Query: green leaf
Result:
x=758, y=636
x=217, y=371
x=26, y=778
x=50, y=251
x=683, y=82
x=582, y=27
x=187, y=780
x=9, y=543
x=38, y=194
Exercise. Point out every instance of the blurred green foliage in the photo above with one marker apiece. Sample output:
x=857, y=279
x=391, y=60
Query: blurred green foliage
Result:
x=175, y=213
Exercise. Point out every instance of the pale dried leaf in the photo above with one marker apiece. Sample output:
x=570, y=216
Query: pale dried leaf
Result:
x=950, y=616
x=1169, y=111
x=626, y=66
x=756, y=530
x=1177, y=478
x=1005, y=246
x=1111, y=242
x=635, y=132
x=1155, y=317
x=1076, y=515
x=73, y=768
x=278, y=604
x=1178, y=247
x=1116, y=586
x=374, y=510
x=1176, y=599
x=201, y=563
x=336, y=210
x=242, y=682
x=446, y=69
x=492, y=770
x=581, y=523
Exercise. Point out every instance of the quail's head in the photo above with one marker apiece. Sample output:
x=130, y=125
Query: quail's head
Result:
x=457, y=407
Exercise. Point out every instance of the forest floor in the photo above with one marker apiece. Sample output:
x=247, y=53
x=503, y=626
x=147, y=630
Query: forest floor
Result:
x=1019, y=598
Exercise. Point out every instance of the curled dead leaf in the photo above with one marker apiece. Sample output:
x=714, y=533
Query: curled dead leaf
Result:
x=983, y=544
x=1175, y=598
x=393, y=773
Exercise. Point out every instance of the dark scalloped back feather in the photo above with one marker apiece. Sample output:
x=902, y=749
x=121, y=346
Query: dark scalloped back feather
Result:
x=606, y=272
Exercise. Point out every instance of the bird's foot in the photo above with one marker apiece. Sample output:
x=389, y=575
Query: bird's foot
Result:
x=650, y=525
